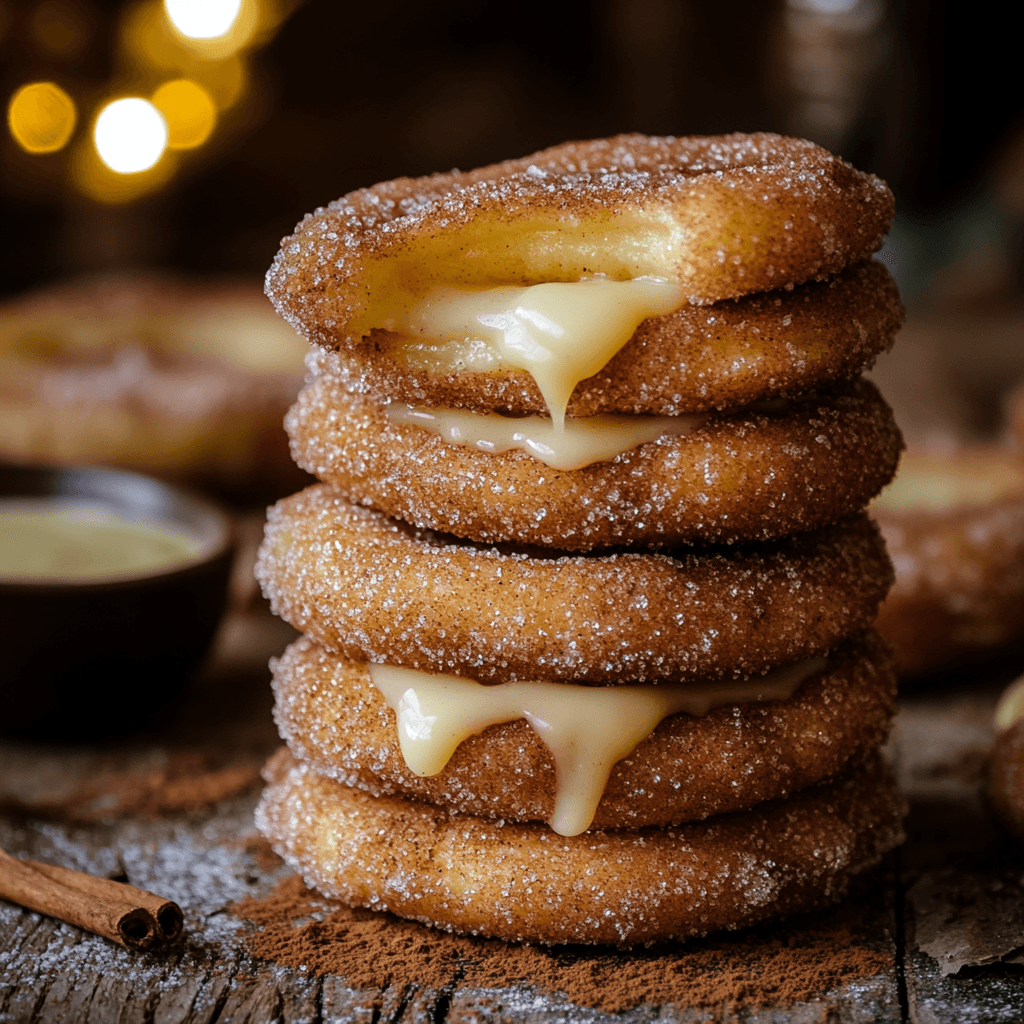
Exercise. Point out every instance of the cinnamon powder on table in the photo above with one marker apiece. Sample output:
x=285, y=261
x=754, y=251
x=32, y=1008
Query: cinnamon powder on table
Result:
x=772, y=965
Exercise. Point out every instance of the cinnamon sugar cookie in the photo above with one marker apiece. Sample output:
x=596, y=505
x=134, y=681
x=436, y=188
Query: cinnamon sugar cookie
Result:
x=525, y=883
x=695, y=359
x=720, y=216
x=954, y=525
x=336, y=721
x=374, y=589
x=185, y=380
x=754, y=474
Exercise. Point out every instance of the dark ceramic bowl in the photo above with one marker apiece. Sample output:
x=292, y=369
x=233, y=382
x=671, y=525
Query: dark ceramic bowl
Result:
x=82, y=659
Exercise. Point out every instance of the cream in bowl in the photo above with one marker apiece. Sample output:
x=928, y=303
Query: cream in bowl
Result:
x=111, y=588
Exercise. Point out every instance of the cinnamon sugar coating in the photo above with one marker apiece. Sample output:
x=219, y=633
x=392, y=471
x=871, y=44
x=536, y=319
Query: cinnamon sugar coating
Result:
x=959, y=590
x=742, y=476
x=774, y=344
x=526, y=883
x=723, y=216
x=336, y=721
x=181, y=379
x=374, y=589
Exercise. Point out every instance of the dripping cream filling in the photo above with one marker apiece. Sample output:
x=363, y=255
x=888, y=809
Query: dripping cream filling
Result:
x=558, y=332
x=578, y=443
x=587, y=729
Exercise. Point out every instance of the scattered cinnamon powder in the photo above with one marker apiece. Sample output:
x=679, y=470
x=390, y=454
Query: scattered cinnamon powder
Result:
x=774, y=965
x=122, y=785
x=186, y=783
x=260, y=850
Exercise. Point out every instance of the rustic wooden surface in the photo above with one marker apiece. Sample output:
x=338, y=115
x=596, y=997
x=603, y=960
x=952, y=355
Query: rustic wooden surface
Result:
x=952, y=896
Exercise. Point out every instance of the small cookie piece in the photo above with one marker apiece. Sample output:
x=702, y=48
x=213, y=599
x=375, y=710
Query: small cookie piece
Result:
x=374, y=589
x=336, y=721
x=749, y=475
x=953, y=522
x=722, y=216
x=1006, y=760
x=699, y=358
x=524, y=883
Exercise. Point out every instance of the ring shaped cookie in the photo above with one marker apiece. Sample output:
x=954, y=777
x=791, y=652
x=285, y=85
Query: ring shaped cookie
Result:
x=722, y=216
x=742, y=476
x=780, y=343
x=177, y=379
x=374, y=589
x=525, y=883
x=337, y=722
x=954, y=526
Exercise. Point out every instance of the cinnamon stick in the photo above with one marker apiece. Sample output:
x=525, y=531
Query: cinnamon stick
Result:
x=133, y=917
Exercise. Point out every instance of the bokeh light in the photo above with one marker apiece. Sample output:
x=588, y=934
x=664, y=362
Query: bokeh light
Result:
x=226, y=80
x=189, y=110
x=203, y=19
x=130, y=135
x=92, y=178
x=41, y=117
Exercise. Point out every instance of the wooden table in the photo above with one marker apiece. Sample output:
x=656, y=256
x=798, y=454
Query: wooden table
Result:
x=953, y=894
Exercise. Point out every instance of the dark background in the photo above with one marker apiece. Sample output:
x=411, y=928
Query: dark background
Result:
x=348, y=94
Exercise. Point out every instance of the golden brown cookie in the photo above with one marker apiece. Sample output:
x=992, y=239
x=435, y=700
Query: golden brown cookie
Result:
x=374, y=589
x=184, y=380
x=750, y=475
x=1006, y=760
x=954, y=525
x=723, y=216
x=336, y=721
x=770, y=345
x=525, y=883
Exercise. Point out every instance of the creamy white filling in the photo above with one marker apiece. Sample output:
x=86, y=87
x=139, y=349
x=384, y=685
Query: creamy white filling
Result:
x=581, y=441
x=586, y=728
x=559, y=332
x=1010, y=708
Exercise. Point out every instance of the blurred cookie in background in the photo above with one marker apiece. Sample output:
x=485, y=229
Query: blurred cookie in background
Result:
x=184, y=380
x=953, y=521
x=1006, y=761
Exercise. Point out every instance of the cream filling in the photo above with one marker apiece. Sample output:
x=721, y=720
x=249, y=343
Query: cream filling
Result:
x=581, y=442
x=72, y=540
x=559, y=332
x=1010, y=708
x=586, y=728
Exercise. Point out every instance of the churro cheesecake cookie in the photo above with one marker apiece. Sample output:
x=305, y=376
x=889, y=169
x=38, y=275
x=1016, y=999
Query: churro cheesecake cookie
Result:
x=953, y=521
x=695, y=359
x=630, y=756
x=757, y=474
x=526, y=883
x=713, y=218
x=181, y=379
x=374, y=589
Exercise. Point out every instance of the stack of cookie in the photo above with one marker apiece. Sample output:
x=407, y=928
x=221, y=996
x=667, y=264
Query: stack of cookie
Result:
x=587, y=587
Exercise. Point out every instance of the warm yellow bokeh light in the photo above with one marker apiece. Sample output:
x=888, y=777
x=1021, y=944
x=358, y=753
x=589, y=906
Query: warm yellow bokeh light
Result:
x=130, y=135
x=189, y=111
x=225, y=80
x=41, y=117
x=203, y=19
x=92, y=178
